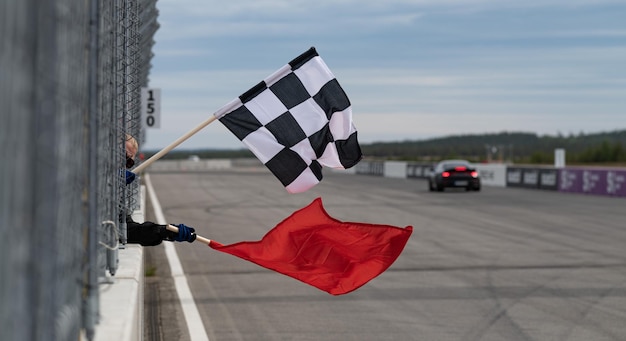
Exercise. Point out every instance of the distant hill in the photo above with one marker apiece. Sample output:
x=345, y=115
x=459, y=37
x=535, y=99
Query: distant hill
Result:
x=517, y=147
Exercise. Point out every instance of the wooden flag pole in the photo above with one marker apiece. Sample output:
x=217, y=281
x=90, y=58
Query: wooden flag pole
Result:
x=173, y=145
x=198, y=238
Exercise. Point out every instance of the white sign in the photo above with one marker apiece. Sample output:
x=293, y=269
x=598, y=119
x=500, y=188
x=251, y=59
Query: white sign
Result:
x=559, y=158
x=151, y=108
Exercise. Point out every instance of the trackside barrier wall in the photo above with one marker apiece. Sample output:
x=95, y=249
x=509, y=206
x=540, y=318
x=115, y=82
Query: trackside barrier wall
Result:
x=121, y=308
x=395, y=169
x=492, y=174
x=190, y=165
x=419, y=170
x=599, y=181
x=370, y=168
x=586, y=180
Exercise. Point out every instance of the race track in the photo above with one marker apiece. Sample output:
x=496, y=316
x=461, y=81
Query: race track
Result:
x=500, y=264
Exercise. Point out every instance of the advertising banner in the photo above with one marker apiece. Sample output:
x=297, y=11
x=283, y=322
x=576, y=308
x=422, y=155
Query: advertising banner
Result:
x=593, y=181
x=514, y=177
x=522, y=177
x=529, y=177
x=549, y=179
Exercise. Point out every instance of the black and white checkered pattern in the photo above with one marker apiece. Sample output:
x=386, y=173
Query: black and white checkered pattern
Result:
x=296, y=121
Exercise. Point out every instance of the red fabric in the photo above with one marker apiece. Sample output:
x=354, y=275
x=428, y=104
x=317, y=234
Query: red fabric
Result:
x=334, y=256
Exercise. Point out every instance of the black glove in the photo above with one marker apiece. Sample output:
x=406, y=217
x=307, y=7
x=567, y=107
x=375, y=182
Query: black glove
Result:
x=146, y=233
x=185, y=233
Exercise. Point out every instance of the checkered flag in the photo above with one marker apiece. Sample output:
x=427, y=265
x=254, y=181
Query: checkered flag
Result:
x=295, y=121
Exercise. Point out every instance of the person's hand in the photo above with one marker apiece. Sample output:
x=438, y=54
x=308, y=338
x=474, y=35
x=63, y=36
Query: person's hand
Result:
x=185, y=233
x=130, y=177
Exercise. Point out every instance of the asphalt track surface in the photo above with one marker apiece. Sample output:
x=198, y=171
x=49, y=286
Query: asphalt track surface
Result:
x=499, y=264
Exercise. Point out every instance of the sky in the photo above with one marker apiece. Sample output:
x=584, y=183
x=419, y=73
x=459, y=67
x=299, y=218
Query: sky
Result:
x=413, y=69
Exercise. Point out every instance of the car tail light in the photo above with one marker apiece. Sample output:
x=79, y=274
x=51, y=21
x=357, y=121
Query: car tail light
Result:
x=460, y=168
x=474, y=174
x=445, y=174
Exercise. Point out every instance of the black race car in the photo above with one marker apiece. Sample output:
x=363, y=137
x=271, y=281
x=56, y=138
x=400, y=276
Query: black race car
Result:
x=454, y=173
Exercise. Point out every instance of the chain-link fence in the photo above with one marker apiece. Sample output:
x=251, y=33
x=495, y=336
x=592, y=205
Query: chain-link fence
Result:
x=70, y=79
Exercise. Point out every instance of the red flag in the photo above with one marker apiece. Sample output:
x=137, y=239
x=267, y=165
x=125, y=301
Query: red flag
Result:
x=313, y=247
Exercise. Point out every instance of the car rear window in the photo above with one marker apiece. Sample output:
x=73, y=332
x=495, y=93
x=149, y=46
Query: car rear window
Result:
x=455, y=164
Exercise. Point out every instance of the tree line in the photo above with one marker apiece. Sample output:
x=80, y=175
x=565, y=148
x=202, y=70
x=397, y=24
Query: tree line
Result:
x=515, y=147
x=512, y=147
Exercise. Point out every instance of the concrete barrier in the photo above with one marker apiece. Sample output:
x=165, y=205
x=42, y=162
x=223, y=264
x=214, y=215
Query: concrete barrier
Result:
x=161, y=166
x=395, y=169
x=492, y=174
x=370, y=168
x=419, y=170
x=121, y=301
x=121, y=297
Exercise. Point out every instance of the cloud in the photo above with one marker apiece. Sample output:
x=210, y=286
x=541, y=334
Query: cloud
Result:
x=411, y=68
x=165, y=51
x=296, y=22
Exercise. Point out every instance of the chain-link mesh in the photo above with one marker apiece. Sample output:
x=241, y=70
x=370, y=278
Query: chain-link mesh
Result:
x=70, y=79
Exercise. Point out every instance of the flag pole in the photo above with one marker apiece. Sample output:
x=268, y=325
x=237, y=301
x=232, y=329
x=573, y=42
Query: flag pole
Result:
x=173, y=145
x=198, y=238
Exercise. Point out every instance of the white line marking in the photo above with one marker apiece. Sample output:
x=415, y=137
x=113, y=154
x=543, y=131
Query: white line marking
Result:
x=190, y=310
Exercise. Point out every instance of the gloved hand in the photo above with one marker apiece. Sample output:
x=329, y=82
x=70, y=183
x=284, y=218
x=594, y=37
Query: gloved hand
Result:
x=185, y=233
x=130, y=177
